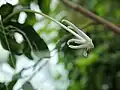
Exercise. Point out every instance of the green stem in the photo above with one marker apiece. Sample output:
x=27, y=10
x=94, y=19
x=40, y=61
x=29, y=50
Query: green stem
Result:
x=6, y=40
x=48, y=17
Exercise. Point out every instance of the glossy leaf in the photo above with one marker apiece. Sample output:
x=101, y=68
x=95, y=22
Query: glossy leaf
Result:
x=35, y=40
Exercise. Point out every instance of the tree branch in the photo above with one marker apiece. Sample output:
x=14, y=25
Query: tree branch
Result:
x=92, y=16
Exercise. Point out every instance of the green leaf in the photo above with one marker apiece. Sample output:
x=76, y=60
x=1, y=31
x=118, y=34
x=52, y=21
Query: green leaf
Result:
x=36, y=41
x=44, y=5
x=12, y=61
x=6, y=9
x=28, y=86
x=25, y=2
x=14, y=47
x=87, y=61
x=27, y=50
x=30, y=19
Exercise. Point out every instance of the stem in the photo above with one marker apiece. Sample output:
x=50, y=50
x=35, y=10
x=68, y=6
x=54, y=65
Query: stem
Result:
x=21, y=32
x=33, y=74
x=80, y=32
x=6, y=40
x=46, y=16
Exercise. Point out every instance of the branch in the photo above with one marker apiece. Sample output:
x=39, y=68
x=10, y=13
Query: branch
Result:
x=31, y=77
x=92, y=16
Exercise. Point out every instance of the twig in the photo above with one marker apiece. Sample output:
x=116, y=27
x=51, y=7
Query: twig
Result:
x=33, y=66
x=34, y=74
x=92, y=16
x=6, y=40
x=38, y=70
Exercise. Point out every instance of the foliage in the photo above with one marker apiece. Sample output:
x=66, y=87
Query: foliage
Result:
x=32, y=41
x=99, y=71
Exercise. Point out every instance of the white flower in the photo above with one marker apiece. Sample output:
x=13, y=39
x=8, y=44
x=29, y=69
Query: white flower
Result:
x=81, y=39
